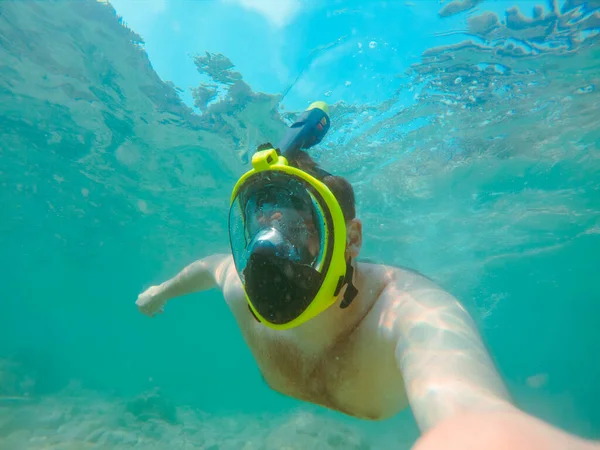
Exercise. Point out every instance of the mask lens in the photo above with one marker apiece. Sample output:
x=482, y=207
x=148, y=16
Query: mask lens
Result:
x=278, y=234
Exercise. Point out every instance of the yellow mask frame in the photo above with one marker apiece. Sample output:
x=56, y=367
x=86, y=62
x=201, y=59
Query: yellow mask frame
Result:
x=333, y=281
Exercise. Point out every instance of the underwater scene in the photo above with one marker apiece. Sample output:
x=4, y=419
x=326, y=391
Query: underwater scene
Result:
x=468, y=129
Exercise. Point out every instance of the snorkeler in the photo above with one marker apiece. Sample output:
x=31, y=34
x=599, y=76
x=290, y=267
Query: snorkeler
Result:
x=363, y=339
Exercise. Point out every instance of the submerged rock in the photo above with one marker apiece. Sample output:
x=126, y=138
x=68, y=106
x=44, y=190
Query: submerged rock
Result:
x=15, y=383
x=153, y=405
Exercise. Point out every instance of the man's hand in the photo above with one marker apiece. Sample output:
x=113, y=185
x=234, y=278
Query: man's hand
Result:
x=151, y=301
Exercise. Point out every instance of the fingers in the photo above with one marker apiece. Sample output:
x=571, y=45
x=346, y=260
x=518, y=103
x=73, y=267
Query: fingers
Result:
x=144, y=308
x=149, y=309
x=146, y=312
x=149, y=304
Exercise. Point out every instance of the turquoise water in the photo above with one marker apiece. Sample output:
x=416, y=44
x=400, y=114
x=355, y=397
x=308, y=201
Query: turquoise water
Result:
x=472, y=140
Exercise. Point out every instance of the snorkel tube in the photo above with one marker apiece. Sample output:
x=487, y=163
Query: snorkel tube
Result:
x=310, y=128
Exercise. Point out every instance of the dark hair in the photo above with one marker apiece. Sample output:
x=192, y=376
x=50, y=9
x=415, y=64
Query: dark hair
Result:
x=339, y=186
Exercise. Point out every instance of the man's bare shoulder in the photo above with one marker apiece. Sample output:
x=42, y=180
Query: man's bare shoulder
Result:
x=401, y=290
x=397, y=279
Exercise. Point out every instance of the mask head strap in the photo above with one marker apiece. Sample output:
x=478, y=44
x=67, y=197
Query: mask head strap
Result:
x=351, y=291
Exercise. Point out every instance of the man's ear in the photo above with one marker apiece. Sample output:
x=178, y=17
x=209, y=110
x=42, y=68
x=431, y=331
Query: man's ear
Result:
x=353, y=238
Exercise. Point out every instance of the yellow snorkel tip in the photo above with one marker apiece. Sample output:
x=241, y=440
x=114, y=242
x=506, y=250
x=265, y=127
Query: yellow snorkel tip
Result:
x=320, y=105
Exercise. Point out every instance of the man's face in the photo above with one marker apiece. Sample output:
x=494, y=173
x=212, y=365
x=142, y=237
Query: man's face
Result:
x=297, y=224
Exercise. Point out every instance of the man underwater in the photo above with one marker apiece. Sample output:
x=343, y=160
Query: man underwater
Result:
x=366, y=340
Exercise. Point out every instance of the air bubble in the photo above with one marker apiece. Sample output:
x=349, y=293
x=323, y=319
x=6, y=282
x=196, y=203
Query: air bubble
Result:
x=142, y=206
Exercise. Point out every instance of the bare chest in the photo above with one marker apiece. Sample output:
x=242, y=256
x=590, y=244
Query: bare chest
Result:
x=352, y=377
x=358, y=375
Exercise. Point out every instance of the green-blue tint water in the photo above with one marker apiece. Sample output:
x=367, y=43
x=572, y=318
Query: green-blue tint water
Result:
x=469, y=131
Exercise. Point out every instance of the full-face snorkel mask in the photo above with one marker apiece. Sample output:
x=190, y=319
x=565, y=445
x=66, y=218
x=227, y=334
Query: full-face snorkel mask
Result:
x=288, y=233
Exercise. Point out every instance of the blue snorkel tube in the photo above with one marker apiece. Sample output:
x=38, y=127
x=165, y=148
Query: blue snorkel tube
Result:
x=310, y=128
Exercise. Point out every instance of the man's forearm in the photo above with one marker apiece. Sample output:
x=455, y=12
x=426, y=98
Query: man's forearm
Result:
x=495, y=430
x=441, y=399
x=198, y=276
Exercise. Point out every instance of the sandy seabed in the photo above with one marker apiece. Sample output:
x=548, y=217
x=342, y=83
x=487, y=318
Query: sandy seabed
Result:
x=79, y=419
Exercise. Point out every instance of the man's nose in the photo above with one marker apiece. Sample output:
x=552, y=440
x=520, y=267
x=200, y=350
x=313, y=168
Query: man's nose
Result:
x=264, y=219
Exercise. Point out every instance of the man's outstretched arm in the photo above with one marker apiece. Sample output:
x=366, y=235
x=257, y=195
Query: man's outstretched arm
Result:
x=204, y=274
